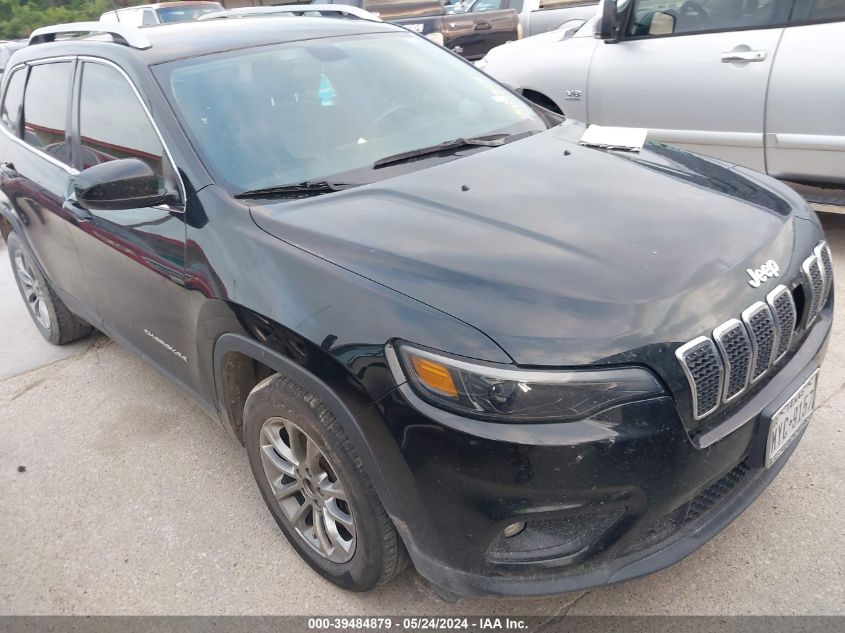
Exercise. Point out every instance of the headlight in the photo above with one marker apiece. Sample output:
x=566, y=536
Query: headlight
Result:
x=506, y=395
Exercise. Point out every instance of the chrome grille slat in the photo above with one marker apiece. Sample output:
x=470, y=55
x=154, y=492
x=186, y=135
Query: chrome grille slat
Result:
x=721, y=367
x=703, y=368
x=813, y=287
x=786, y=318
x=822, y=253
x=761, y=326
x=735, y=346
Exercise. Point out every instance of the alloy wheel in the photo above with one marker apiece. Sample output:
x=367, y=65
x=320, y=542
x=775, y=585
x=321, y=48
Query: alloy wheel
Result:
x=32, y=290
x=308, y=490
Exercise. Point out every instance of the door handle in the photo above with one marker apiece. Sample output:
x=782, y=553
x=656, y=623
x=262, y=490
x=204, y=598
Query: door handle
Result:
x=741, y=56
x=483, y=26
x=81, y=214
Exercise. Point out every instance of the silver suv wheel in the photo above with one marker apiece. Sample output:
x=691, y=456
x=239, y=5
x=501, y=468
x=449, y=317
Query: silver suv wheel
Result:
x=307, y=490
x=32, y=290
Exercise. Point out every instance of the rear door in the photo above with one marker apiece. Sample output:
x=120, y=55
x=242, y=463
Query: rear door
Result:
x=694, y=73
x=805, y=124
x=36, y=172
x=487, y=24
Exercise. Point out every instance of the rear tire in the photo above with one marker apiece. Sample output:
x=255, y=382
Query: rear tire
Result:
x=316, y=489
x=51, y=316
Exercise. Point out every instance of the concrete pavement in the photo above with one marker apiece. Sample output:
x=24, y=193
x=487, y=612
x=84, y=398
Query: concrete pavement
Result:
x=133, y=501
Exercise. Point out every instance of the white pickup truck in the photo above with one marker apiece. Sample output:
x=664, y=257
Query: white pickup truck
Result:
x=536, y=16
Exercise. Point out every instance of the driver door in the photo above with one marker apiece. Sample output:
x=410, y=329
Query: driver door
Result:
x=694, y=72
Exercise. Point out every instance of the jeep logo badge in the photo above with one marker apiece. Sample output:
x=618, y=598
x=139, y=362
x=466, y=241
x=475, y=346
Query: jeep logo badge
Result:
x=761, y=275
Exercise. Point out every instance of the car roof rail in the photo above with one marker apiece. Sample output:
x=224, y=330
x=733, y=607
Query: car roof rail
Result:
x=286, y=9
x=121, y=33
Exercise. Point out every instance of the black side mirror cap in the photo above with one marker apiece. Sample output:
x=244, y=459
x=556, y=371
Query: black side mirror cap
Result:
x=117, y=185
x=607, y=25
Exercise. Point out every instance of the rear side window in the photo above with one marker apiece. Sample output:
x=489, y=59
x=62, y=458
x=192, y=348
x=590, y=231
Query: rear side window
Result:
x=45, y=109
x=10, y=112
x=116, y=127
x=819, y=10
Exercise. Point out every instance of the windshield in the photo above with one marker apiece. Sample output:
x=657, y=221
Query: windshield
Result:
x=186, y=13
x=313, y=110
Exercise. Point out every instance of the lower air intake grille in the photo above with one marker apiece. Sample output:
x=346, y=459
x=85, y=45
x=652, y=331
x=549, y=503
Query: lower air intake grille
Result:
x=708, y=498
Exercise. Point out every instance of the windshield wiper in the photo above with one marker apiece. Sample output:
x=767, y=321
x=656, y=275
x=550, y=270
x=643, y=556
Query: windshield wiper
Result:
x=315, y=187
x=493, y=140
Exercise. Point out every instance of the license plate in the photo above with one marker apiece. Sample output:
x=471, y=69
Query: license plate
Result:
x=790, y=419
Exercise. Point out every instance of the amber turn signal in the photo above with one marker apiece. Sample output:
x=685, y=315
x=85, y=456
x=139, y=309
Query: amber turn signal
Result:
x=434, y=376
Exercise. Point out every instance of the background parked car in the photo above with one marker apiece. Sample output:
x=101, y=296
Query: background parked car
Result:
x=754, y=83
x=161, y=13
x=471, y=35
x=6, y=50
x=536, y=16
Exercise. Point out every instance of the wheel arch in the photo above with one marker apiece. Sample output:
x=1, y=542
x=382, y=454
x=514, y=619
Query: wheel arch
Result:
x=541, y=99
x=233, y=354
x=9, y=221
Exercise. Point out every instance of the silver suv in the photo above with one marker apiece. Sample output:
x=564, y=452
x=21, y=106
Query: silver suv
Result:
x=753, y=82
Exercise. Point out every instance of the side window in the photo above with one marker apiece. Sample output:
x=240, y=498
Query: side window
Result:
x=10, y=112
x=559, y=4
x=676, y=17
x=486, y=5
x=824, y=10
x=149, y=18
x=116, y=127
x=45, y=109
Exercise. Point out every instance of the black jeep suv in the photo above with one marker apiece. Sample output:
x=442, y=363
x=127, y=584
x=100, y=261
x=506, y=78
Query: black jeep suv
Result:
x=443, y=329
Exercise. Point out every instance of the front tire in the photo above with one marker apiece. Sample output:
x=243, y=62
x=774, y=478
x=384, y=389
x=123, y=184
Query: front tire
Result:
x=316, y=489
x=51, y=316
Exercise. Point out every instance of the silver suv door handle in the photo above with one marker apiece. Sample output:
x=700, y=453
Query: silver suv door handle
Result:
x=744, y=56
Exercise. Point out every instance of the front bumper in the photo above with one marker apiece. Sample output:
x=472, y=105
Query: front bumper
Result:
x=604, y=500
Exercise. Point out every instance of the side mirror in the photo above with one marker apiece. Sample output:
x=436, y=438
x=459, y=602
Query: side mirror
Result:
x=607, y=25
x=127, y=183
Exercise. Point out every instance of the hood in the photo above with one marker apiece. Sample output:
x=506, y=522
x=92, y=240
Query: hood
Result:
x=562, y=254
x=525, y=44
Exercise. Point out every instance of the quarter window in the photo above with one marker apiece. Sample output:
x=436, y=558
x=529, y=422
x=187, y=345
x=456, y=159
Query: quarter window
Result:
x=114, y=127
x=45, y=109
x=677, y=17
x=10, y=113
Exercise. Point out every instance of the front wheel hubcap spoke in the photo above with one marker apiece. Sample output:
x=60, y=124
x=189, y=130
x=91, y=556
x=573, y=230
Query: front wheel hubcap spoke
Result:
x=334, y=513
x=332, y=490
x=307, y=490
x=322, y=535
x=32, y=291
x=283, y=491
